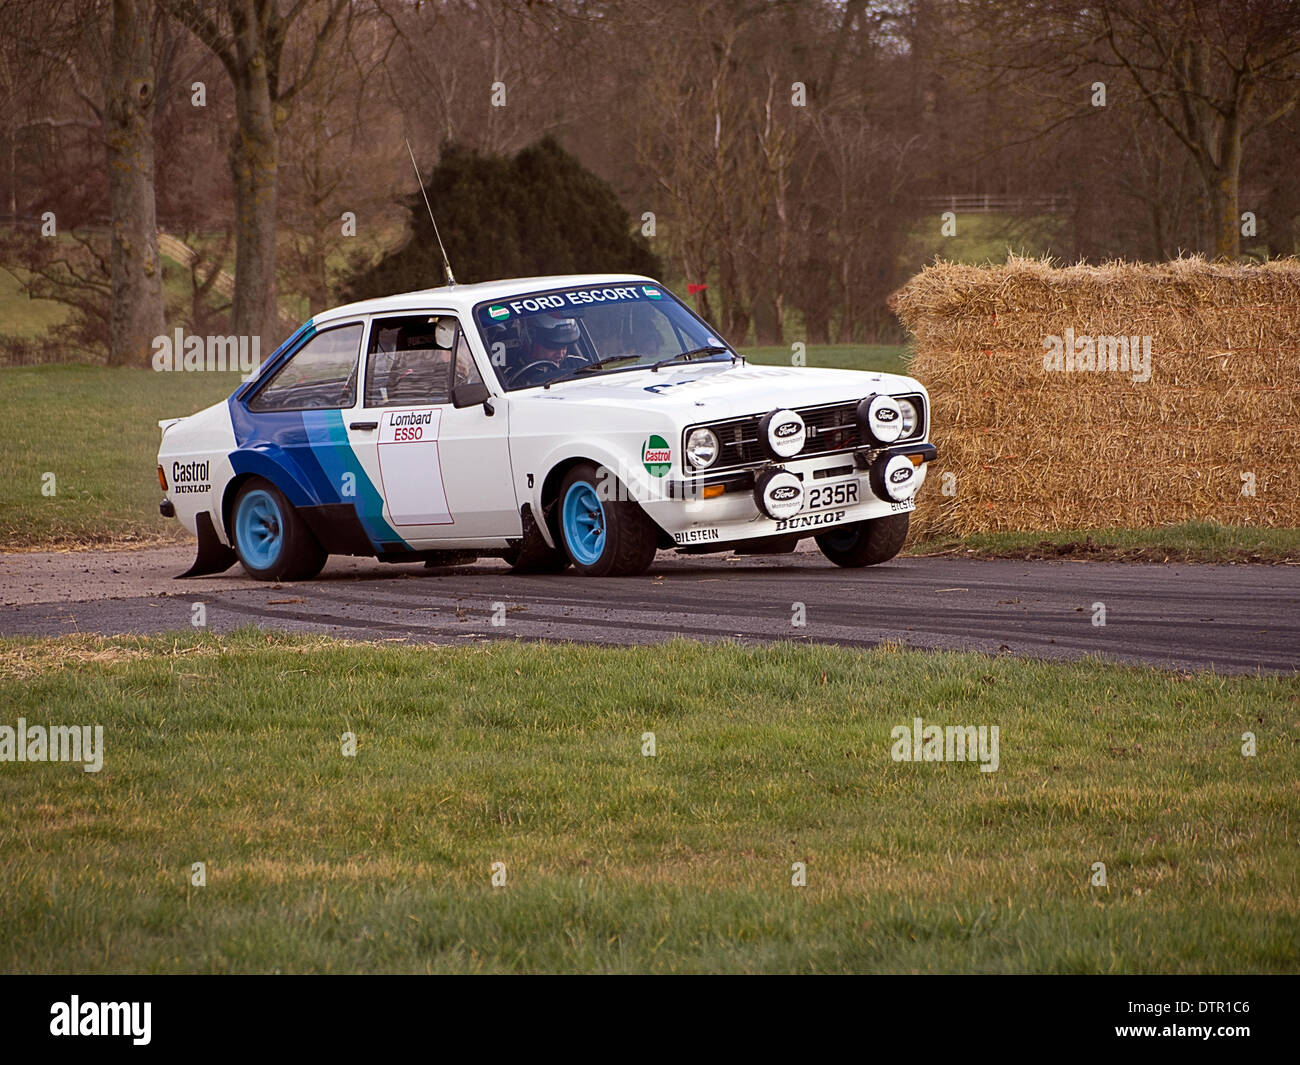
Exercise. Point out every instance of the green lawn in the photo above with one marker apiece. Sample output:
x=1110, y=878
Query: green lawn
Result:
x=980, y=238
x=96, y=430
x=889, y=358
x=226, y=751
x=26, y=318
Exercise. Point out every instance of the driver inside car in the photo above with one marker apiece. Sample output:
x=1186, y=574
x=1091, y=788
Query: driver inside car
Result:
x=552, y=338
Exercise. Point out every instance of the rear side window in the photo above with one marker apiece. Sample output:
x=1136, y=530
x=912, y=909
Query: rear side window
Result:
x=322, y=375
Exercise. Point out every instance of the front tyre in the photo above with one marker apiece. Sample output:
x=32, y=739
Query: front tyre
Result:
x=603, y=537
x=865, y=543
x=273, y=543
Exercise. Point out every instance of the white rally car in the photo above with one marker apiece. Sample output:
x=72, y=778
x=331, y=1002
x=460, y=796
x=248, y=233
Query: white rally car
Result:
x=589, y=420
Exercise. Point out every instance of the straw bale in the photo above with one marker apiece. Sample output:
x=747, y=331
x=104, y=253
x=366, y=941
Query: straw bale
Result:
x=1203, y=388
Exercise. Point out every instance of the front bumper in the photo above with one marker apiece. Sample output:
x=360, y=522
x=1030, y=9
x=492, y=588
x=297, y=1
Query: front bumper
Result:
x=718, y=509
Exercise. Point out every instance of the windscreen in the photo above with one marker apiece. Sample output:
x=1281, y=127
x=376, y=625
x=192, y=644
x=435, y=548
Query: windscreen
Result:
x=576, y=332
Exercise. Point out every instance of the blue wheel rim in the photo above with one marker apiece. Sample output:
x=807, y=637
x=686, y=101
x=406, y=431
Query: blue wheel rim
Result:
x=259, y=529
x=583, y=518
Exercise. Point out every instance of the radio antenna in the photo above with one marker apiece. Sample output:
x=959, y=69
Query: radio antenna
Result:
x=446, y=264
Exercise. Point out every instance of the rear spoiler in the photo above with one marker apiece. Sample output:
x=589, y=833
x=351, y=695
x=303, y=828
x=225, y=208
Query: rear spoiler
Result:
x=166, y=423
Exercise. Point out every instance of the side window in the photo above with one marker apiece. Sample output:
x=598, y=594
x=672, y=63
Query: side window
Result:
x=322, y=375
x=415, y=359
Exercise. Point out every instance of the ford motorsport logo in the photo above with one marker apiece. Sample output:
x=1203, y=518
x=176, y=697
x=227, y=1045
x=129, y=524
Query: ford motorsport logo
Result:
x=881, y=418
x=656, y=456
x=783, y=493
x=900, y=475
x=786, y=433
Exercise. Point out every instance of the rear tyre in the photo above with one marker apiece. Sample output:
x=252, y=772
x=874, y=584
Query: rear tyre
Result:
x=604, y=537
x=865, y=543
x=531, y=555
x=273, y=543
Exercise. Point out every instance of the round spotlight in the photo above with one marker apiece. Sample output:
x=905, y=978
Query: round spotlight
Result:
x=894, y=477
x=880, y=419
x=782, y=433
x=778, y=493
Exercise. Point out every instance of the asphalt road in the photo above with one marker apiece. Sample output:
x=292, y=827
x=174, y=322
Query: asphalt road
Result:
x=1237, y=618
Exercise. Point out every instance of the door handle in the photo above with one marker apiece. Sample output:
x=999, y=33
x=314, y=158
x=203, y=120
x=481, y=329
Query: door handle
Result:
x=364, y=425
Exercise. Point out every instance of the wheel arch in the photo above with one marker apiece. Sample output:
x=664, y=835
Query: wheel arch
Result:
x=250, y=464
x=549, y=496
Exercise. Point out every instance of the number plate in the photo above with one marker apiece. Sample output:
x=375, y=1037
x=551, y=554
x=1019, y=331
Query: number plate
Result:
x=839, y=494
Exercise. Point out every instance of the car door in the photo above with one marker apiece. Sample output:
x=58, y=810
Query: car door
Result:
x=444, y=472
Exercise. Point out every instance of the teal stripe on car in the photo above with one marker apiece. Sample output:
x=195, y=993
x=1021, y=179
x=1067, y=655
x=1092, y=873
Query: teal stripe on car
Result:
x=329, y=444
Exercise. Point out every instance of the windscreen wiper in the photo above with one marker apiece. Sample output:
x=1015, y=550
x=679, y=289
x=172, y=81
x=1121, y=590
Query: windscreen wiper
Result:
x=608, y=360
x=708, y=349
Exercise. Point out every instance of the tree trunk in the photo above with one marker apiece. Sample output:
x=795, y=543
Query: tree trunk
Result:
x=137, y=304
x=254, y=165
x=1225, y=216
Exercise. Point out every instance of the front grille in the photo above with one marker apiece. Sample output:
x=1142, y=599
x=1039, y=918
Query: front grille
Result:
x=831, y=427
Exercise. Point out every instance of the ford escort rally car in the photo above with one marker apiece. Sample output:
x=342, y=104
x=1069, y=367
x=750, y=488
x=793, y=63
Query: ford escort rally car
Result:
x=586, y=420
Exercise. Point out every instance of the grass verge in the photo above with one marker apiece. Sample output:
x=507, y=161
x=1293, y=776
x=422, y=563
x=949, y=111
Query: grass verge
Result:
x=1193, y=541
x=96, y=431
x=227, y=751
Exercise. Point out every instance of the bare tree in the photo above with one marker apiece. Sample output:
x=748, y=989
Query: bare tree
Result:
x=1213, y=72
x=249, y=37
x=137, y=304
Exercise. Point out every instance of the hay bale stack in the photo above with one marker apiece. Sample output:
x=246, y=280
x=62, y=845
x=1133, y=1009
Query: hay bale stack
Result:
x=1035, y=446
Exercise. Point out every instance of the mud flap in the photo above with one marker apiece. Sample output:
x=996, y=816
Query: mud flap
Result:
x=214, y=556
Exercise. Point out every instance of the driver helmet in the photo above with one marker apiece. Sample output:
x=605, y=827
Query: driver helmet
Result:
x=554, y=332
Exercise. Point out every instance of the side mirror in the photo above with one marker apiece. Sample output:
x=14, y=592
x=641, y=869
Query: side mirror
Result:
x=470, y=394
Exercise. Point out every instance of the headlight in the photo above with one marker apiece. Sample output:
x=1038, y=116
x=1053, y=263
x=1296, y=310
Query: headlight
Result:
x=701, y=448
x=911, y=416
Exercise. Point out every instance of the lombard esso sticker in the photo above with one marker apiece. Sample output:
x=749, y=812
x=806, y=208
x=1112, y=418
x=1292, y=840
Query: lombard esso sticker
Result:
x=409, y=426
x=882, y=418
x=656, y=456
x=786, y=433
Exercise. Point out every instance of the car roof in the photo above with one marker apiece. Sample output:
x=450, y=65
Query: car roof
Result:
x=464, y=297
